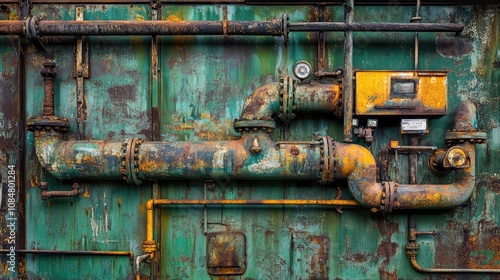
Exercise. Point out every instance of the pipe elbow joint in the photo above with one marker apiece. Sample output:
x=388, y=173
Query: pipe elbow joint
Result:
x=357, y=164
x=369, y=194
x=259, y=108
x=49, y=151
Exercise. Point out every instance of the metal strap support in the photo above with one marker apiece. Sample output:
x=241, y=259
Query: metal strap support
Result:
x=31, y=33
x=81, y=72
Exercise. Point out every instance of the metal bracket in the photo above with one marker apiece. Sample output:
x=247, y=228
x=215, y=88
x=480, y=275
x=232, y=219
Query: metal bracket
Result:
x=284, y=27
x=25, y=8
x=287, y=99
x=224, y=24
x=81, y=71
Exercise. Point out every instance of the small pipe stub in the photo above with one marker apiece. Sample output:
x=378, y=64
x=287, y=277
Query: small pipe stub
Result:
x=48, y=120
x=456, y=157
x=435, y=163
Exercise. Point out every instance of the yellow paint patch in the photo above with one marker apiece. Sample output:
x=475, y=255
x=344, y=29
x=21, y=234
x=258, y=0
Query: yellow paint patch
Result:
x=417, y=93
x=173, y=18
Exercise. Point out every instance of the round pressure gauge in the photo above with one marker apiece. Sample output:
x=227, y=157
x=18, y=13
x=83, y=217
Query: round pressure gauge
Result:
x=302, y=69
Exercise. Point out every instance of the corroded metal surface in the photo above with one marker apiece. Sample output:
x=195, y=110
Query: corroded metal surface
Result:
x=401, y=93
x=226, y=253
x=202, y=86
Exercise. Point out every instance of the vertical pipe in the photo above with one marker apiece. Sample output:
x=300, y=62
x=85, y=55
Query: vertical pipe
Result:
x=348, y=78
x=21, y=162
x=155, y=106
x=412, y=162
x=80, y=75
x=412, y=179
x=321, y=48
x=416, y=19
x=155, y=82
x=149, y=220
x=49, y=76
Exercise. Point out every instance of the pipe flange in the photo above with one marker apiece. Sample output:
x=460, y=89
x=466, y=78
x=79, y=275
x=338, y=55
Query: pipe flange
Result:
x=254, y=125
x=149, y=247
x=130, y=161
x=412, y=250
x=389, y=190
x=460, y=136
x=284, y=27
x=327, y=160
x=47, y=122
x=287, y=99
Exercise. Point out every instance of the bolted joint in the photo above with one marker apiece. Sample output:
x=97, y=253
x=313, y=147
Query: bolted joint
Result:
x=149, y=247
x=130, y=161
x=46, y=123
x=412, y=250
x=49, y=70
x=388, y=199
x=327, y=162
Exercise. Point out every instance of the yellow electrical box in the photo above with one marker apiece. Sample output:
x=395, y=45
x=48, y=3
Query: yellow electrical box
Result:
x=415, y=93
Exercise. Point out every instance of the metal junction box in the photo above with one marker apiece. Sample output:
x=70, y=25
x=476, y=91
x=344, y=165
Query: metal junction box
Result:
x=381, y=93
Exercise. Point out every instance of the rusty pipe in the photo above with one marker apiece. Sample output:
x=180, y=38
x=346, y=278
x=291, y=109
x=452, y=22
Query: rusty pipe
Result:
x=357, y=165
x=156, y=160
x=49, y=76
x=92, y=159
x=417, y=267
x=270, y=27
x=138, y=261
x=46, y=194
x=279, y=99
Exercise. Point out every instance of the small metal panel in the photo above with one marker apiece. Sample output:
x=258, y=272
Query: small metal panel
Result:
x=310, y=256
x=226, y=253
x=381, y=93
x=414, y=126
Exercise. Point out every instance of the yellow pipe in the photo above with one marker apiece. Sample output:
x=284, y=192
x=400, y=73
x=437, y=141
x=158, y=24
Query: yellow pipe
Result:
x=325, y=202
x=149, y=221
x=149, y=245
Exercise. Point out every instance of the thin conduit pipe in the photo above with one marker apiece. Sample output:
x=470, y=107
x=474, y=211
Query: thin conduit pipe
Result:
x=150, y=246
x=417, y=267
x=70, y=253
x=138, y=262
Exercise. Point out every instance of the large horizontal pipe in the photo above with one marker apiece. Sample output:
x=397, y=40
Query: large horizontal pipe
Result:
x=271, y=27
x=94, y=159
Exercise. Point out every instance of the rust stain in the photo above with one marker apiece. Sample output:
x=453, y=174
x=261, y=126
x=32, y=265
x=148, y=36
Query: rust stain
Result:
x=357, y=257
x=121, y=95
x=294, y=151
x=453, y=46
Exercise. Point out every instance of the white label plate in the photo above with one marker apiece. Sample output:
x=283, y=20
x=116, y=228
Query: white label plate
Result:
x=413, y=125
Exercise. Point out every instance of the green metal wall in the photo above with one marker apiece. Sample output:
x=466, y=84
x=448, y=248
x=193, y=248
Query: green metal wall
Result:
x=203, y=84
